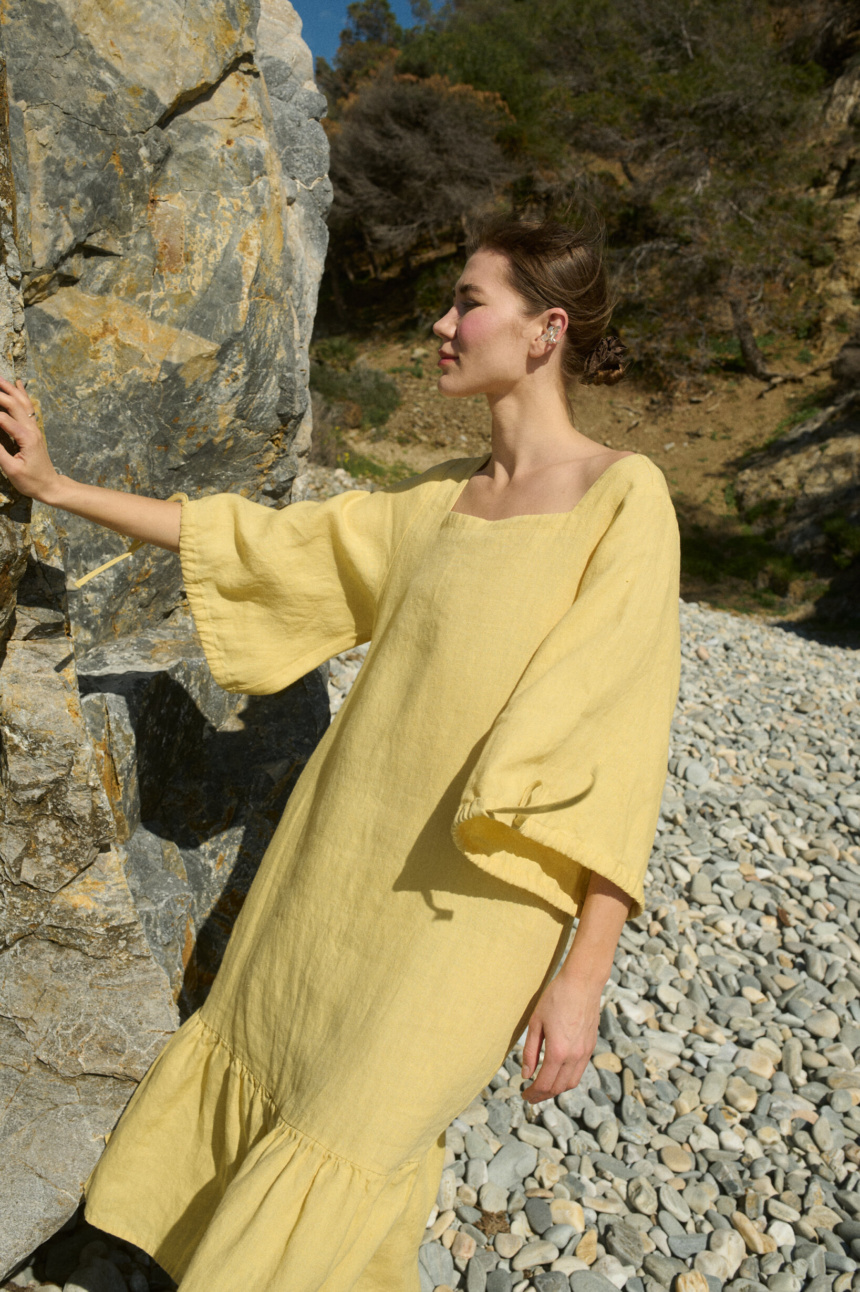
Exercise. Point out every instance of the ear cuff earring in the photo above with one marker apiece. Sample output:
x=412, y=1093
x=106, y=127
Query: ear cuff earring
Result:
x=551, y=334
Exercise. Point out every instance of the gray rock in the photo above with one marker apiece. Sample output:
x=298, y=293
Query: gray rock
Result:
x=587, y=1281
x=438, y=1262
x=840, y=1263
x=625, y=1242
x=538, y=1214
x=97, y=1275
x=499, y=1116
x=559, y=1234
x=669, y=1223
x=470, y=1215
x=477, y=1147
x=662, y=1268
x=686, y=1245
x=512, y=1164
x=551, y=1281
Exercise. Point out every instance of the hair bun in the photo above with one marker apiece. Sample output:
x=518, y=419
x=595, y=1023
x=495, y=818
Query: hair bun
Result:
x=605, y=365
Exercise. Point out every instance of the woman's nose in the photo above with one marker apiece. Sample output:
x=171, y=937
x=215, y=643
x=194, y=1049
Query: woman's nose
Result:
x=446, y=326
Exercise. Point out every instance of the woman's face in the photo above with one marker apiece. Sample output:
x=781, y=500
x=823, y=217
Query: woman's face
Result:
x=486, y=335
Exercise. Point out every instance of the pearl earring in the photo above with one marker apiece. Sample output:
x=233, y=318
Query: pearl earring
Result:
x=551, y=334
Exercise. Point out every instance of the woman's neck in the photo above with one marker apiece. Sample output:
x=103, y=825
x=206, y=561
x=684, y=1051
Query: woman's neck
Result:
x=529, y=433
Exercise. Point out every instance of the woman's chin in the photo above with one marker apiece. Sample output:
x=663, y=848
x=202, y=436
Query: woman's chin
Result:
x=447, y=384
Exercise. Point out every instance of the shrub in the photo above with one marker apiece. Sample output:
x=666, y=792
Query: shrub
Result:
x=375, y=394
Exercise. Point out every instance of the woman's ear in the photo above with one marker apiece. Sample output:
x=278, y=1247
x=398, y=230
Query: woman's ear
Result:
x=555, y=326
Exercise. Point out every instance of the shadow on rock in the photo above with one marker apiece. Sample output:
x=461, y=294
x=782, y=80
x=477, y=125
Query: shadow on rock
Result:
x=197, y=779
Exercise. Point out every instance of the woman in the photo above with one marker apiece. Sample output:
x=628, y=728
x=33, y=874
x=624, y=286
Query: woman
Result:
x=495, y=772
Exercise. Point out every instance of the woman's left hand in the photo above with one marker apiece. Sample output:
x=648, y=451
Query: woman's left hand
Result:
x=565, y=1019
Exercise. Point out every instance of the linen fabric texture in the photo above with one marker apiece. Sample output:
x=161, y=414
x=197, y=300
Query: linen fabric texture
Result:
x=506, y=737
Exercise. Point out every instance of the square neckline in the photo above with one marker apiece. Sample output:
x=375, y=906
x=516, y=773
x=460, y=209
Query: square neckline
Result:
x=526, y=515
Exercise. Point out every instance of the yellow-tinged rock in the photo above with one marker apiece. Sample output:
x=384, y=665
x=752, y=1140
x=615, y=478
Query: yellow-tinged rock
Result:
x=549, y=1173
x=507, y=1245
x=521, y=1226
x=463, y=1247
x=756, y=1060
x=566, y=1212
x=691, y=1281
x=608, y=1061
x=586, y=1248
x=764, y=1045
x=611, y=1203
x=676, y=1158
x=568, y=1265
x=756, y=1242
x=822, y=1217
x=686, y=1102
x=704, y=1027
x=712, y=1263
x=443, y=1221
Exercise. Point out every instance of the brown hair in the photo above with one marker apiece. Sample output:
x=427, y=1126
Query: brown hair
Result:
x=553, y=264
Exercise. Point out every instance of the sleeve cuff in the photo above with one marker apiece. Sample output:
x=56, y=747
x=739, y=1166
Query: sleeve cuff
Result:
x=543, y=861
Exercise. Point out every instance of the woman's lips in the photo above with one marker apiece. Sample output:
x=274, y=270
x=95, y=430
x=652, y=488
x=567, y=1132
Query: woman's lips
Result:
x=447, y=358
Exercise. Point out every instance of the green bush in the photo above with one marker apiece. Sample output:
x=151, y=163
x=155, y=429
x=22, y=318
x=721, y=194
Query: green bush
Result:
x=335, y=351
x=376, y=394
x=844, y=540
x=750, y=557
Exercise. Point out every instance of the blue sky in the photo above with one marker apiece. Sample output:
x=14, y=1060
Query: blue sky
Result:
x=322, y=21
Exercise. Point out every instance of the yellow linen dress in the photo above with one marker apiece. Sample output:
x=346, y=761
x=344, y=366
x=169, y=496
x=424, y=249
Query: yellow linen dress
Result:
x=507, y=734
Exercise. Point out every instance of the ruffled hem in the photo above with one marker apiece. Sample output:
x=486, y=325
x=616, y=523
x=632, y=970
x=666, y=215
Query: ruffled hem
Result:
x=537, y=858
x=204, y=1174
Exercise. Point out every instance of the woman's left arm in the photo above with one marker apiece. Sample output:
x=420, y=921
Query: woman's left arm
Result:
x=566, y=1016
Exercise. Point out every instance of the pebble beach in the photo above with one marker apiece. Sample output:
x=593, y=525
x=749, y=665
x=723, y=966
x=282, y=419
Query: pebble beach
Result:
x=713, y=1140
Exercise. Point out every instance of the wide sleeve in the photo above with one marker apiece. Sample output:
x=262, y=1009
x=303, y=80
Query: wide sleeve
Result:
x=570, y=777
x=274, y=593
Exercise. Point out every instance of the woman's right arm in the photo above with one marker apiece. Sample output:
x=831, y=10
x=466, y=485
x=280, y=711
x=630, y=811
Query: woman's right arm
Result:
x=32, y=473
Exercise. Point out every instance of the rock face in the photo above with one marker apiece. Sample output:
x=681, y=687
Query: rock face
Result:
x=14, y=511
x=171, y=237
x=162, y=238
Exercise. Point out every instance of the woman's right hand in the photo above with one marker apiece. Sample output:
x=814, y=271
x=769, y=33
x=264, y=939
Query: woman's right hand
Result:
x=30, y=469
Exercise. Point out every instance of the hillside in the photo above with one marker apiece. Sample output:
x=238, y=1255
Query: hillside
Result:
x=738, y=283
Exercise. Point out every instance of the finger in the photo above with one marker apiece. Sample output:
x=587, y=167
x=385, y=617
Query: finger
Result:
x=13, y=428
x=16, y=394
x=531, y=1049
x=17, y=431
x=541, y=1087
x=22, y=389
x=7, y=462
x=14, y=407
x=567, y=1079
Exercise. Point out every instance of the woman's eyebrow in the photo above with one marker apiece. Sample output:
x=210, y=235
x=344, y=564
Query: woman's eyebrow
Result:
x=467, y=289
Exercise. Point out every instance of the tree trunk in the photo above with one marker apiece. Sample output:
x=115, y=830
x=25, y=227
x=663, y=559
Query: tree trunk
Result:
x=754, y=360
